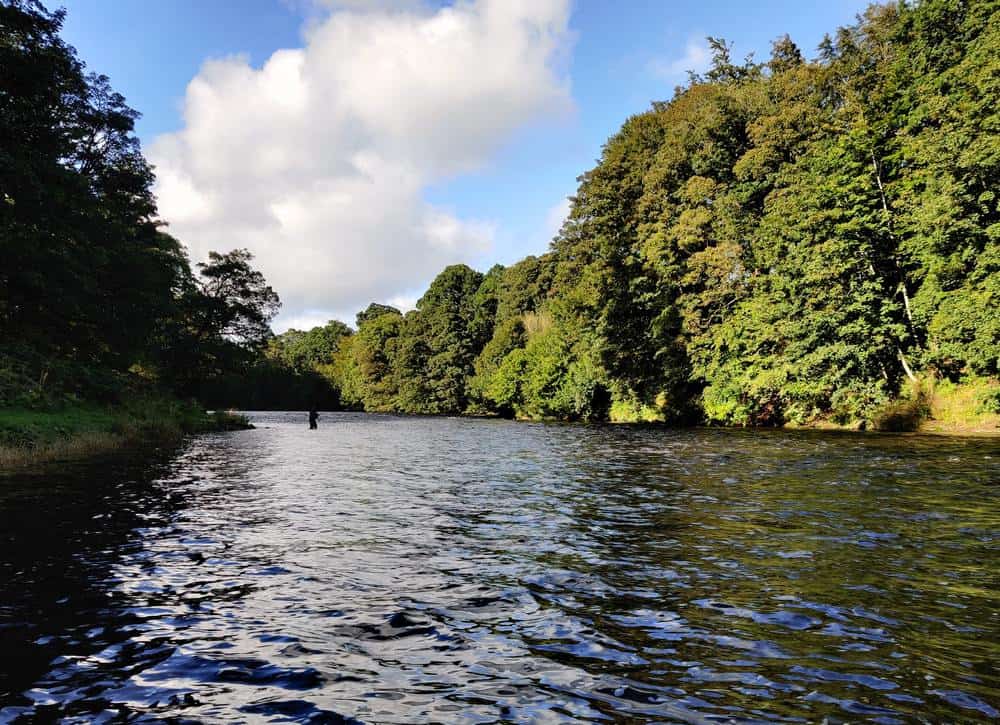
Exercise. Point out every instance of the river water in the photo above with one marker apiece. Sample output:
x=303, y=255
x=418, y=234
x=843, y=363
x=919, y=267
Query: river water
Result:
x=385, y=569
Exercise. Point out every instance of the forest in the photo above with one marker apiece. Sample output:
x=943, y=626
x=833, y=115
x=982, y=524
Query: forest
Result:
x=104, y=323
x=782, y=242
x=788, y=241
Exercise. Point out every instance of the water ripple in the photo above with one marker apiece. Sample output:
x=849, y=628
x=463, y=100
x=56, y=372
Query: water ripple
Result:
x=385, y=569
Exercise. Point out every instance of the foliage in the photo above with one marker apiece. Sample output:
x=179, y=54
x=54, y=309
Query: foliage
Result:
x=85, y=274
x=236, y=304
x=972, y=405
x=219, y=329
x=95, y=298
x=440, y=340
x=374, y=310
x=508, y=336
x=780, y=243
x=905, y=413
x=305, y=350
x=783, y=242
x=364, y=368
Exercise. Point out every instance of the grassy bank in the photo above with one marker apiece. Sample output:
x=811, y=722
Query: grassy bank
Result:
x=971, y=407
x=960, y=409
x=29, y=436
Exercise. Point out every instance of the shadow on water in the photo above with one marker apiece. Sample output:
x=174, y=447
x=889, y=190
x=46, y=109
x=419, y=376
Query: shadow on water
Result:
x=409, y=570
x=61, y=531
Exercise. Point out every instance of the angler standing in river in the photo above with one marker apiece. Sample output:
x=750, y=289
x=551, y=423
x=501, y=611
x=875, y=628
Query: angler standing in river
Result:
x=313, y=417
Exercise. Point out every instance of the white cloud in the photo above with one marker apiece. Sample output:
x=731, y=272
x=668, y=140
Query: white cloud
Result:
x=317, y=161
x=404, y=303
x=555, y=217
x=697, y=57
x=309, y=319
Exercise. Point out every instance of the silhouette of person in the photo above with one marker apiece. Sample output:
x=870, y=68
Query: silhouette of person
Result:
x=313, y=417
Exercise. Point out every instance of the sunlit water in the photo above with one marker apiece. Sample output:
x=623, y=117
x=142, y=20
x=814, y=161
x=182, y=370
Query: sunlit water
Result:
x=386, y=569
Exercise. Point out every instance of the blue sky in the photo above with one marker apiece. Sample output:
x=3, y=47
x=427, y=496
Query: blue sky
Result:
x=608, y=61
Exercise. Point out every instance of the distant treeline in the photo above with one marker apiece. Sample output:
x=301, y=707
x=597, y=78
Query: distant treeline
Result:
x=781, y=242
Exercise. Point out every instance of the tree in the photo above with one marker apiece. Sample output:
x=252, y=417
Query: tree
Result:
x=222, y=323
x=311, y=349
x=86, y=276
x=235, y=302
x=375, y=310
x=440, y=340
x=778, y=242
x=373, y=362
x=508, y=336
x=942, y=181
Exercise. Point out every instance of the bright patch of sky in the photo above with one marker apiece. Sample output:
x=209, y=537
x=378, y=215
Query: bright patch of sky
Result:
x=359, y=146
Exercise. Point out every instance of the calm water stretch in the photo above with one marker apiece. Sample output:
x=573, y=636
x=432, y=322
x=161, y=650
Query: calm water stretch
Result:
x=386, y=569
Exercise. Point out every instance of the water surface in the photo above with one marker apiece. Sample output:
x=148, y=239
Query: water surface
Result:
x=387, y=569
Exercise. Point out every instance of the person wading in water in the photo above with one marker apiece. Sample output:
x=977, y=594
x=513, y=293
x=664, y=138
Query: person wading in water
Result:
x=313, y=417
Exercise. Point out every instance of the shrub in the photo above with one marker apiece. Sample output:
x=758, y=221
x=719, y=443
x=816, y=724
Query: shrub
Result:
x=904, y=414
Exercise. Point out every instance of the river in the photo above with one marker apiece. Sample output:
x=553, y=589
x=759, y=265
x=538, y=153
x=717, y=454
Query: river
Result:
x=387, y=569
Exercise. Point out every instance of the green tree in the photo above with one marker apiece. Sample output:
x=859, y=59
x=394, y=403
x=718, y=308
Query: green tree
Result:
x=440, y=341
x=222, y=324
x=508, y=336
x=307, y=350
x=86, y=276
x=364, y=366
x=943, y=192
x=374, y=310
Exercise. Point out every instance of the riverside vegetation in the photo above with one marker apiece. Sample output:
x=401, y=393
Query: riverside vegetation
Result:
x=782, y=243
x=105, y=331
x=787, y=242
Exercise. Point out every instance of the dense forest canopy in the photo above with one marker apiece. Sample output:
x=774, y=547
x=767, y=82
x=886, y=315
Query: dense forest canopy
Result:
x=782, y=241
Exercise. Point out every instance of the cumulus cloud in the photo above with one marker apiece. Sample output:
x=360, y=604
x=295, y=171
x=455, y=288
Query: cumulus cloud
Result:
x=555, y=217
x=697, y=57
x=317, y=161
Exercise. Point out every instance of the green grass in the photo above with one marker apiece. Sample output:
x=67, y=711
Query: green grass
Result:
x=940, y=406
x=972, y=406
x=31, y=428
x=72, y=431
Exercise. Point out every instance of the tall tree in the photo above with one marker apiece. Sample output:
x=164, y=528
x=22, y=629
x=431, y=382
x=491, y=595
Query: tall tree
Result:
x=86, y=275
x=309, y=349
x=222, y=323
x=440, y=341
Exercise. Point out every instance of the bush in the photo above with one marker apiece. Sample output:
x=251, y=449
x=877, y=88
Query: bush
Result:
x=988, y=400
x=904, y=414
x=33, y=380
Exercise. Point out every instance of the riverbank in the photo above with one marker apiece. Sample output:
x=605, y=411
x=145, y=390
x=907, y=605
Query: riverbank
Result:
x=29, y=436
x=944, y=408
x=33, y=436
x=938, y=407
